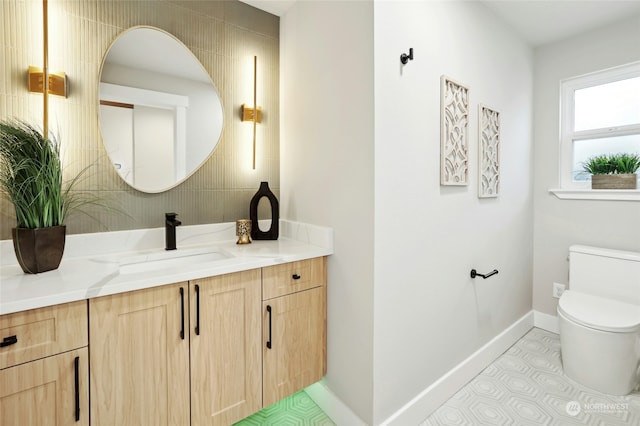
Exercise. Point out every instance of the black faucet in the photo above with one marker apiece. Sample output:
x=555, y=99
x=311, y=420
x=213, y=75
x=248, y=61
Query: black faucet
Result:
x=170, y=224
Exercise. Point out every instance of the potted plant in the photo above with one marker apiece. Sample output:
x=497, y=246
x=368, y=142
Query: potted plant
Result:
x=31, y=178
x=613, y=171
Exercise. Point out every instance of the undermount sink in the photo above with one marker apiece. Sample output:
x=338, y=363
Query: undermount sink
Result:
x=171, y=259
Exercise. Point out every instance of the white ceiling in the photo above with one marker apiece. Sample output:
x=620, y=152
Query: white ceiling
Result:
x=546, y=21
x=538, y=21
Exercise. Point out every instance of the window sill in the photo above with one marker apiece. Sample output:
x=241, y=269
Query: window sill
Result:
x=597, y=194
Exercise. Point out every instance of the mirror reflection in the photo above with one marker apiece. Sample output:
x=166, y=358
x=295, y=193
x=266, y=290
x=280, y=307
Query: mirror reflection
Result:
x=160, y=115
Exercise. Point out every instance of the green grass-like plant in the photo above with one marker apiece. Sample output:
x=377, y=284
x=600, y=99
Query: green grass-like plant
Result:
x=31, y=177
x=608, y=164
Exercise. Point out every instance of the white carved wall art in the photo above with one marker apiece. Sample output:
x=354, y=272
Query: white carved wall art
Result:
x=488, y=152
x=454, y=123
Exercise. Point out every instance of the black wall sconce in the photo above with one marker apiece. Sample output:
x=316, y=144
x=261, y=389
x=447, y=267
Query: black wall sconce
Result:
x=404, y=58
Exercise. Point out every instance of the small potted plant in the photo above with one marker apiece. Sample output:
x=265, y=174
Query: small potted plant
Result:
x=31, y=178
x=613, y=171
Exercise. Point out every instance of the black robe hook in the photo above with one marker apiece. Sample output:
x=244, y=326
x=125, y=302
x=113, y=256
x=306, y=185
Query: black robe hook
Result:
x=404, y=58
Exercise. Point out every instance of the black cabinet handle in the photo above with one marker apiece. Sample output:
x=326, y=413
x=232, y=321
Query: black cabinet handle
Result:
x=76, y=368
x=8, y=341
x=295, y=276
x=182, y=312
x=197, y=310
x=269, y=341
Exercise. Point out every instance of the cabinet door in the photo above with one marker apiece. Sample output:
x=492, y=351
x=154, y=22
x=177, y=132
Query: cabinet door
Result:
x=48, y=391
x=294, y=353
x=139, y=350
x=225, y=348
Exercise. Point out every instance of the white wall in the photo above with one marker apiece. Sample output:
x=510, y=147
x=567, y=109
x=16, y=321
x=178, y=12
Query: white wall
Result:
x=327, y=171
x=401, y=238
x=560, y=223
x=429, y=314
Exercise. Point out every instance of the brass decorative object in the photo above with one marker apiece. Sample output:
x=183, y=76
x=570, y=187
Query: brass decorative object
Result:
x=243, y=231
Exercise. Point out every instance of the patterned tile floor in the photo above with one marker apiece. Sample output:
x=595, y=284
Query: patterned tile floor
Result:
x=296, y=410
x=526, y=386
x=523, y=387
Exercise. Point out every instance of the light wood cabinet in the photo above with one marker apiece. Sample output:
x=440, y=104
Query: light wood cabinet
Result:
x=44, y=366
x=140, y=357
x=294, y=327
x=177, y=354
x=49, y=391
x=226, y=363
x=195, y=352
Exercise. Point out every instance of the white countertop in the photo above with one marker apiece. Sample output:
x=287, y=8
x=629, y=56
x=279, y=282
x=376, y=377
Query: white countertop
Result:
x=91, y=263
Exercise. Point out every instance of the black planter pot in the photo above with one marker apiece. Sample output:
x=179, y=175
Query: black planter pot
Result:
x=39, y=250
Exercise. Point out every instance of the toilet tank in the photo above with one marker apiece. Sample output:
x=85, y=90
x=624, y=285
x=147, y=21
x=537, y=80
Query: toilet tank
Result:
x=614, y=274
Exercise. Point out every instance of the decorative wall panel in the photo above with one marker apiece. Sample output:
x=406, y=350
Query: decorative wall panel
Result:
x=454, y=139
x=488, y=152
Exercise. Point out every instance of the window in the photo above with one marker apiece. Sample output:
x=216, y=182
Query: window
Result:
x=600, y=114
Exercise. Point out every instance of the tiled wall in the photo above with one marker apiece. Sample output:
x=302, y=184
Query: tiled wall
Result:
x=223, y=35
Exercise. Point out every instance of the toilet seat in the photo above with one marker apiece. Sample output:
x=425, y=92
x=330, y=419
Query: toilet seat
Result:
x=599, y=313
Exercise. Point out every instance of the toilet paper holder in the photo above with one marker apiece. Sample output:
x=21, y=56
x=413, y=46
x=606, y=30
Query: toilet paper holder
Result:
x=485, y=276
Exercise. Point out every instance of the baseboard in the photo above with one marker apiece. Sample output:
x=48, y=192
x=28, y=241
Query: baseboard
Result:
x=546, y=322
x=332, y=405
x=420, y=407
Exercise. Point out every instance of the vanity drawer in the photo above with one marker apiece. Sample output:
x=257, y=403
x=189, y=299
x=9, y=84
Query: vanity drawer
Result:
x=37, y=333
x=292, y=277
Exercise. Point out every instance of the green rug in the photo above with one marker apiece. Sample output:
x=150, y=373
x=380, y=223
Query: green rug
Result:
x=296, y=410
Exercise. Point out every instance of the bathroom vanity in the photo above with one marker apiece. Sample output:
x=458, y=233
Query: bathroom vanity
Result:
x=208, y=336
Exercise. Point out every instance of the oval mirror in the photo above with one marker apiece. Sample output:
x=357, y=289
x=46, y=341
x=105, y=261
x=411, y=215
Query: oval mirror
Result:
x=160, y=115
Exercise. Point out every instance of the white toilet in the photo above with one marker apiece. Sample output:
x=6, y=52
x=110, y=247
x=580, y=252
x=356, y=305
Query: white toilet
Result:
x=599, y=319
